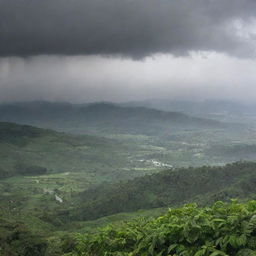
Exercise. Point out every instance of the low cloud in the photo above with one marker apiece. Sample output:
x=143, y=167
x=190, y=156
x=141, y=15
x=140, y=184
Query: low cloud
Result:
x=204, y=75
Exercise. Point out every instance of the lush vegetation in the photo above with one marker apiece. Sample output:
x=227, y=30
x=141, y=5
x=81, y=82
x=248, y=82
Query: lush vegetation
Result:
x=54, y=184
x=220, y=230
x=171, y=187
x=17, y=240
x=26, y=150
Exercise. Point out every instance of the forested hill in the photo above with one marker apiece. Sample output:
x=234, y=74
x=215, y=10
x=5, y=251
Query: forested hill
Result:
x=101, y=118
x=172, y=187
x=20, y=134
x=27, y=150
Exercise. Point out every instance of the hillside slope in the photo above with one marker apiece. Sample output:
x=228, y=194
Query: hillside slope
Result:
x=26, y=150
x=168, y=188
x=43, y=170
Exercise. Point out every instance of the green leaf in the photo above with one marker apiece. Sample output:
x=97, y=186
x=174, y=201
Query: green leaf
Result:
x=218, y=253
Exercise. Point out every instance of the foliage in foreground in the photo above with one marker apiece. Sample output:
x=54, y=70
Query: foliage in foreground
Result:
x=223, y=229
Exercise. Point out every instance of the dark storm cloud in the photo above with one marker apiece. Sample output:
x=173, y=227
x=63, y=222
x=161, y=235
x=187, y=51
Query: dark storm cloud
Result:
x=134, y=28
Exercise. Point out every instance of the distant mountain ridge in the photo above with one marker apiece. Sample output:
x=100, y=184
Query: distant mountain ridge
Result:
x=215, y=109
x=101, y=118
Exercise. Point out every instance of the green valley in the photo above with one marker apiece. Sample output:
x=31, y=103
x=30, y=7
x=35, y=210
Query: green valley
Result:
x=132, y=163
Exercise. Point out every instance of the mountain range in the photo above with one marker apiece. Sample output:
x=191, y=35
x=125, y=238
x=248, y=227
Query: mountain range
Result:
x=100, y=118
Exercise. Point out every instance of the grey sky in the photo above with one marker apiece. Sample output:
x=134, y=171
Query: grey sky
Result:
x=134, y=28
x=82, y=79
x=90, y=50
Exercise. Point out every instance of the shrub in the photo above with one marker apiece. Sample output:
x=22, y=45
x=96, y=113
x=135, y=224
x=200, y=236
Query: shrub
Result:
x=225, y=229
